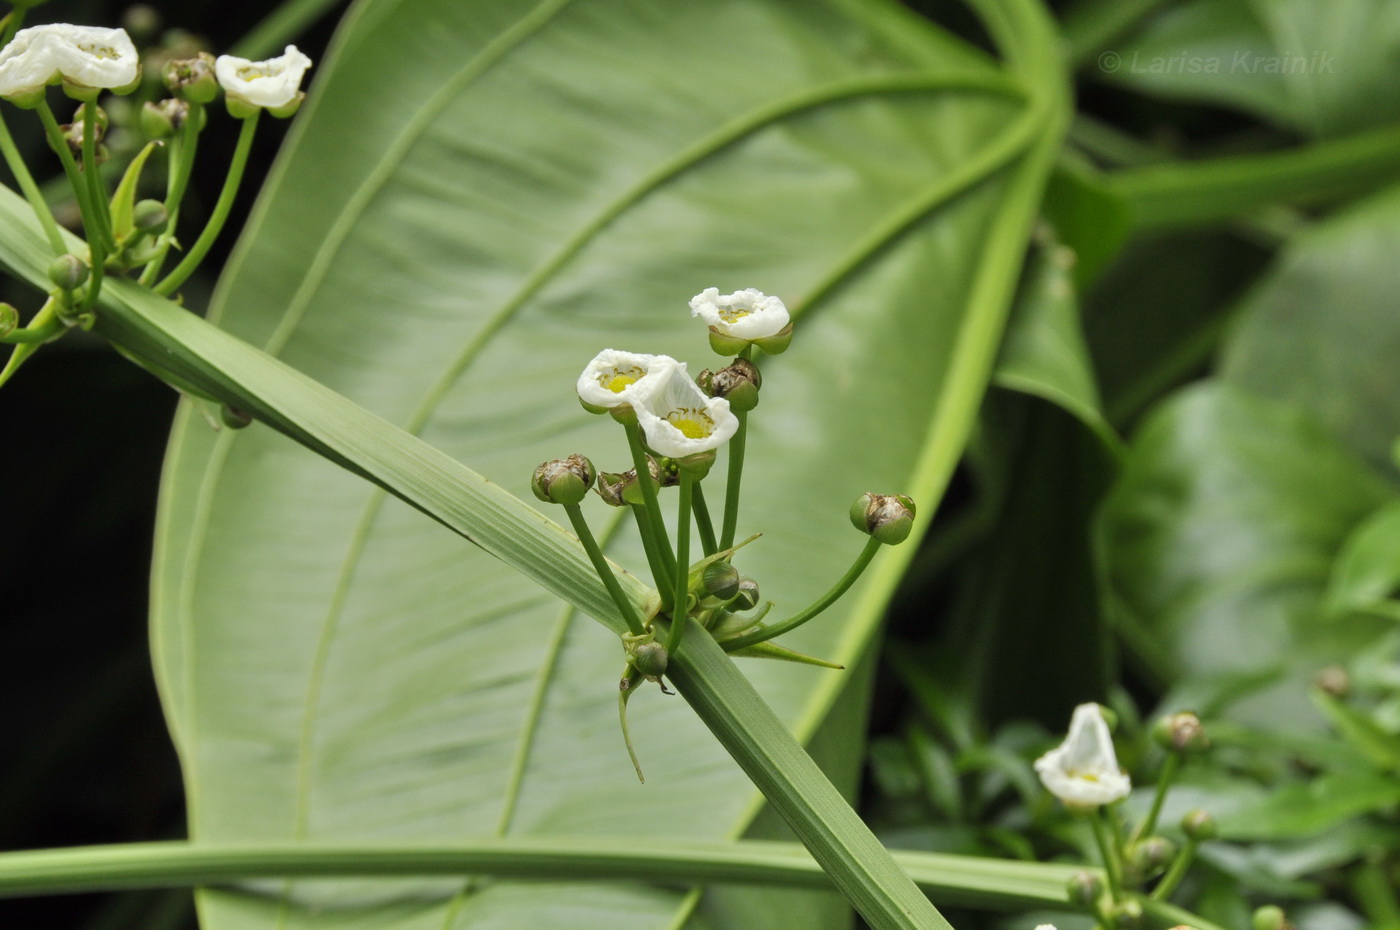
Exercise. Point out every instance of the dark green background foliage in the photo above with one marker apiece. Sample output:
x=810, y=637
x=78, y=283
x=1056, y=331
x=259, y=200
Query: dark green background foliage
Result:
x=1180, y=490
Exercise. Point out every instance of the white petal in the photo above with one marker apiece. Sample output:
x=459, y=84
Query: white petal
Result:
x=615, y=378
x=269, y=84
x=92, y=56
x=1083, y=770
x=27, y=63
x=679, y=420
x=746, y=314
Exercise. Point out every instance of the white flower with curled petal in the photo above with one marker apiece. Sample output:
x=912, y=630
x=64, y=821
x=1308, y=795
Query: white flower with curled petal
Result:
x=85, y=58
x=1083, y=770
x=748, y=314
x=615, y=378
x=273, y=84
x=678, y=420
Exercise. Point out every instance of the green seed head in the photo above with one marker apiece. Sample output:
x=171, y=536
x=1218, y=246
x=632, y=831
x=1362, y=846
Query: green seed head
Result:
x=563, y=481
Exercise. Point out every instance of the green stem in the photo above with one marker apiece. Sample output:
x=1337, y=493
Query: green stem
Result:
x=46, y=317
x=221, y=210
x=1177, y=872
x=964, y=880
x=12, y=21
x=629, y=612
x=681, y=597
x=702, y=520
x=81, y=192
x=1091, y=25
x=659, y=539
x=94, y=178
x=31, y=190
x=38, y=331
x=1164, y=782
x=178, y=172
x=736, y=473
x=872, y=546
x=660, y=571
x=1171, y=915
x=1109, y=853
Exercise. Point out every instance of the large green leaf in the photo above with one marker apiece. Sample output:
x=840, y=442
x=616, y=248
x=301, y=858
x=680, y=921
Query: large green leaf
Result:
x=447, y=241
x=1324, y=67
x=1218, y=541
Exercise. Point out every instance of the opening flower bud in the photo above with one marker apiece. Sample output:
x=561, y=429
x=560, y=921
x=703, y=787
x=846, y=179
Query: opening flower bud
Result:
x=738, y=384
x=1181, y=733
x=887, y=517
x=68, y=272
x=747, y=596
x=1199, y=825
x=563, y=481
x=720, y=580
x=149, y=216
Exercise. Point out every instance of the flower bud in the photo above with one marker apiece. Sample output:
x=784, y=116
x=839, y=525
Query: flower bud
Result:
x=738, y=384
x=1271, y=917
x=68, y=272
x=1126, y=914
x=563, y=481
x=1085, y=889
x=720, y=580
x=611, y=486
x=1148, y=858
x=650, y=659
x=747, y=596
x=1199, y=825
x=192, y=79
x=1334, y=681
x=149, y=216
x=1181, y=733
x=234, y=418
x=887, y=517
x=163, y=118
x=9, y=319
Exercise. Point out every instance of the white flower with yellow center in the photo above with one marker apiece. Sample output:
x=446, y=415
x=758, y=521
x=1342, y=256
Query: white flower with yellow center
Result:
x=273, y=84
x=678, y=420
x=746, y=314
x=1083, y=770
x=615, y=378
x=85, y=58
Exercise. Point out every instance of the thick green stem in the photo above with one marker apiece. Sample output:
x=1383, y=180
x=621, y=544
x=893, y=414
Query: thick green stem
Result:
x=680, y=586
x=659, y=540
x=703, y=523
x=872, y=546
x=1164, y=782
x=93, y=177
x=625, y=607
x=31, y=190
x=731, y=487
x=221, y=210
x=967, y=880
x=1177, y=871
x=660, y=571
x=1108, y=851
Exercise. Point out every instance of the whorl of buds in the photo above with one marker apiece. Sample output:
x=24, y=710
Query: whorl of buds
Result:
x=1199, y=825
x=563, y=481
x=887, y=517
x=738, y=384
x=68, y=272
x=1181, y=733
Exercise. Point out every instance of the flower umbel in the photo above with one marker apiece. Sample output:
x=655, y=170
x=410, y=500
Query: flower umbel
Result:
x=741, y=318
x=615, y=378
x=1083, y=770
x=678, y=420
x=263, y=85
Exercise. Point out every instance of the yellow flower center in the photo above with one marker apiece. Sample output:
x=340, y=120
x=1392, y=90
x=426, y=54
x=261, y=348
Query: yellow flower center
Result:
x=730, y=314
x=693, y=423
x=101, y=52
x=619, y=379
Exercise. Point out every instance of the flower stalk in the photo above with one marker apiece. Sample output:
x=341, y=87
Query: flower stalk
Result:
x=680, y=596
x=634, y=621
x=703, y=524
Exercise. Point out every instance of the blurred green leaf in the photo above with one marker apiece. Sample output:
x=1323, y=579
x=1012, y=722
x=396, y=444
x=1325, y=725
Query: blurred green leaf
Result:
x=1218, y=540
x=1320, y=330
x=1366, y=576
x=1324, y=67
x=447, y=240
x=1382, y=748
x=1311, y=807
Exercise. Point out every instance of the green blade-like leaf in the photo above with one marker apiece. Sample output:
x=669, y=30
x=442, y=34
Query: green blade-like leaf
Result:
x=448, y=240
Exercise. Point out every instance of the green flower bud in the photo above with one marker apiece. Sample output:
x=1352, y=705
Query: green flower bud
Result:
x=1199, y=825
x=9, y=319
x=1333, y=680
x=611, y=487
x=164, y=118
x=747, y=597
x=649, y=658
x=887, y=517
x=1150, y=857
x=563, y=481
x=1126, y=914
x=738, y=384
x=1181, y=733
x=149, y=216
x=1271, y=917
x=720, y=580
x=1085, y=889
x=68, y=272
x=234, y=418
x=192, y=79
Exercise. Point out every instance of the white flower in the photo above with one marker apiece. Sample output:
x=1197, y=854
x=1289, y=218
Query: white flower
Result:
x=84, y=56
x=272, y=84
x=746, y=314
x=615, y=378
x=1083, y=770
x=677, y=418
